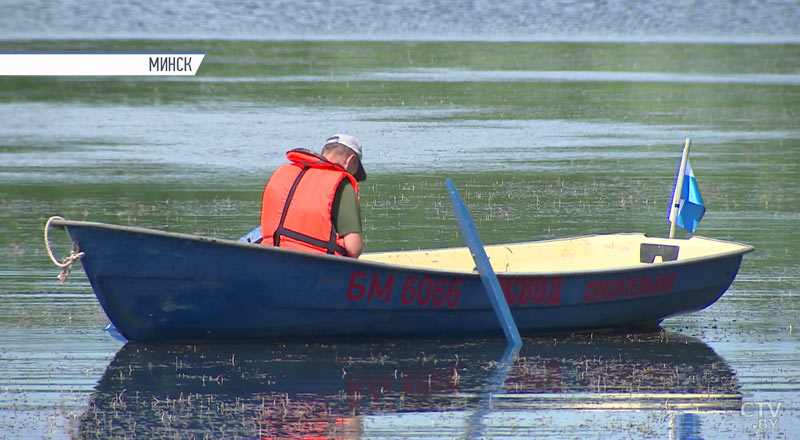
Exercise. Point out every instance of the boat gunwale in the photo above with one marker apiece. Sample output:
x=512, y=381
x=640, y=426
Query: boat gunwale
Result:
x=744, y=248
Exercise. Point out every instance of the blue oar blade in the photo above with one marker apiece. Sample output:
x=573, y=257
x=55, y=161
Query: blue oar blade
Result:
x=485, y=270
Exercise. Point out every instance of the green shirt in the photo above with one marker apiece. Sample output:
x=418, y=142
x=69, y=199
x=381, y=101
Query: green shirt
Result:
x=346, y=211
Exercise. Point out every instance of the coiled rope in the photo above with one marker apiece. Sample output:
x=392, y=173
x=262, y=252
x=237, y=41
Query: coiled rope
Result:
x=74, y=255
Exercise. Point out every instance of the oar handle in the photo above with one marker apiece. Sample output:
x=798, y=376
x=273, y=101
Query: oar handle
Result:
x=485, y=270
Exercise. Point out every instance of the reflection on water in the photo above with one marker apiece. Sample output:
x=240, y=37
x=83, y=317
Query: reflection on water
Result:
x=350, y=390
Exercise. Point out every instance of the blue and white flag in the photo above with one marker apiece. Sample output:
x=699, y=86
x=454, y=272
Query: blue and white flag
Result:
x=690, y=207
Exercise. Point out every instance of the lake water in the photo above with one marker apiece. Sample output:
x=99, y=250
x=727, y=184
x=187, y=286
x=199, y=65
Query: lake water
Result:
x=560, y=119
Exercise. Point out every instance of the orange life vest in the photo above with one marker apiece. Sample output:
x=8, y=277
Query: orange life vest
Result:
x=297, y=203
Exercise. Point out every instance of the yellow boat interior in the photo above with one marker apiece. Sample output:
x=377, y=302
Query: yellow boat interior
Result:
x=588, y=253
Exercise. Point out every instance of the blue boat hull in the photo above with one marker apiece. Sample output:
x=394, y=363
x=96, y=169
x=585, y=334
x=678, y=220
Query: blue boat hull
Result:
x=155, y=285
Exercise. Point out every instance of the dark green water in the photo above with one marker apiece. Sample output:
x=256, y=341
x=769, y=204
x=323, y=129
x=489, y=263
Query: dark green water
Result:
x=543, y=140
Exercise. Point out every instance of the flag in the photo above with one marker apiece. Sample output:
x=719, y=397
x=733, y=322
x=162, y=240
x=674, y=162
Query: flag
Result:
x=690, y=206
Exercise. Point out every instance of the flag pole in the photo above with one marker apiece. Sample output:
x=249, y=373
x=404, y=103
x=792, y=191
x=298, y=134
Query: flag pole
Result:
x=676, y=197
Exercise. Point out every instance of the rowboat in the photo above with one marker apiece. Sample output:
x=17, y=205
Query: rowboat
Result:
x=158, y=285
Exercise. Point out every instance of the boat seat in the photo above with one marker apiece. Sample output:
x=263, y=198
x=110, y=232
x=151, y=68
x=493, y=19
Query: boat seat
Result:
x=649, y=251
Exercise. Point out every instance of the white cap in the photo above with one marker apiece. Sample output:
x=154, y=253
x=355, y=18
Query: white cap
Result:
x=354, y=145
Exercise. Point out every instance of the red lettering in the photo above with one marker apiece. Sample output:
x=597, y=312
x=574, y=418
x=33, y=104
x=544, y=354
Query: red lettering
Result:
x=541, y=287
x=427, y=291
x=645, y=286
x=355, y=291
x=607, y=290
x=543, y=290
x=505, y=285
x=422, y=290
x=669, y=282
x=454, y=294
x=603, y=290
x=526, y=292
x=439, y=292
x=555, y=291
x=375, y=289
x=630, y=288
x=592, y=292
x=658, y=284
x=511, y=297
x=409, y=290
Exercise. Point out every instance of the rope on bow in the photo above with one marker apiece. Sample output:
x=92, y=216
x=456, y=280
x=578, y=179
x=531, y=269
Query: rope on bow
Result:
x=74, y=255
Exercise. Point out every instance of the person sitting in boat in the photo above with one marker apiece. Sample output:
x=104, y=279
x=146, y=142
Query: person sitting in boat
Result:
x=312, y=202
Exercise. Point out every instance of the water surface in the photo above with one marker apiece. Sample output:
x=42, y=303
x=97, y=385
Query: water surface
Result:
x=543, y=138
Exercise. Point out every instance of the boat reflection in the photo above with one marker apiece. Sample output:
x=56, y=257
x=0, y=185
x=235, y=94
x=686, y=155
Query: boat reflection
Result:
x=349, y=390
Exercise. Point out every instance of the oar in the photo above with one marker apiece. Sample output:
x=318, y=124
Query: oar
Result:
x=485, y=270
x=476, y=428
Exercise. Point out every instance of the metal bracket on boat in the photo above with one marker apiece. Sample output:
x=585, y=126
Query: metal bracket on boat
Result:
x=74, y=255
x=253, y=236
x=649, y=251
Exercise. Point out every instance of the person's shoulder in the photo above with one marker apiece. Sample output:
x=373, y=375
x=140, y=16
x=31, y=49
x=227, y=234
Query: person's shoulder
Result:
x=345, y=188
